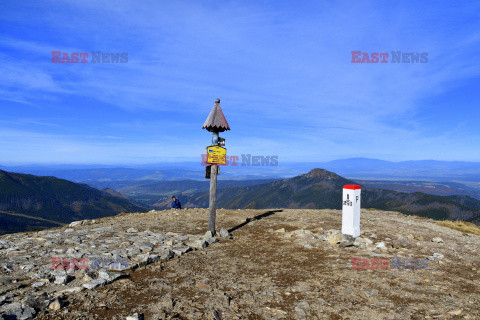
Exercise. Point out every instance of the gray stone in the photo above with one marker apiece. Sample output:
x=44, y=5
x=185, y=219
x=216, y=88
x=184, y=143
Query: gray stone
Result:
x=198, y=244
x=133, y=251
x=57, y=304
x=8, y=268
x=345, y=244
x=75, y=223
x=321, y=237
x=109, y=275
x=306, y=236
x=103, y=229
x=334, y=236
x=16, y=311
x=225, y=234
x=145, y=259
x=72, y=290
x=210, y=240
x=363, y=240
x=437, y=256
x=399, y=243
x=167, y=254
x=71, y=251
x=120, y=265
x=3, y=299
x=38, y=284
x=381, y=245
x=57, y=273
x=302, y=308
x=37, y=302
x=27, y=267
x=144, y=244
x=63, y=279
x=146, y=249
x=208, y=234
x=94, y=284
x=135, y=316
x=181, y=250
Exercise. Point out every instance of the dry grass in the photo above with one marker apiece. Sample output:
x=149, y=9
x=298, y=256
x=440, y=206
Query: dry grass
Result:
x=465, y=227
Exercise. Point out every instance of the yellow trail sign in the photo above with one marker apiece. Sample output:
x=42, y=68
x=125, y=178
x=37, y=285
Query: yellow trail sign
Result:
x=216, y=155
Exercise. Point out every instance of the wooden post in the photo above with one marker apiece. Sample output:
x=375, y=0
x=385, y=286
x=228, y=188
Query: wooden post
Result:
x=212, y=204
x=215, y=123
x=212, y=214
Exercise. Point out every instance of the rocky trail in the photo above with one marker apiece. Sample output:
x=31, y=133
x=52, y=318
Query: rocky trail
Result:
x=277, y=264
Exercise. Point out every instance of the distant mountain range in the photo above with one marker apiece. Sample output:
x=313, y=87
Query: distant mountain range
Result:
x=29, y=202
x=421, y=169
x=440, y=188
x=321, y=189
x=358, y=168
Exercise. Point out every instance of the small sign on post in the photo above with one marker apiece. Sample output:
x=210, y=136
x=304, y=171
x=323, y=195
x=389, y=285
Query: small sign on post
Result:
x=351, y=210
x=216, y=155
x=208, y=171
x=215, y=123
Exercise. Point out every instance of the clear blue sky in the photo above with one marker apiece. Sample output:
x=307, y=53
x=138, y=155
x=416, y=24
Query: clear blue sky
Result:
x=281, y=68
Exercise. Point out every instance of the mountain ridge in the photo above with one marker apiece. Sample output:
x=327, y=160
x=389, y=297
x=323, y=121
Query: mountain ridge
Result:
x=53, y=199
x=322, y=189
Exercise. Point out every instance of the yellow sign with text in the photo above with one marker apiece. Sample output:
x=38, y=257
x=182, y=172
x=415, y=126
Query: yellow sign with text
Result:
x=216, y=155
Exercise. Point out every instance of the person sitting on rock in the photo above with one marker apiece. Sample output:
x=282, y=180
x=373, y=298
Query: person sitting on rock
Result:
x=176, y=203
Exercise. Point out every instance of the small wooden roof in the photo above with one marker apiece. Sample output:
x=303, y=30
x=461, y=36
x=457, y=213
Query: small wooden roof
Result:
x=216, y=121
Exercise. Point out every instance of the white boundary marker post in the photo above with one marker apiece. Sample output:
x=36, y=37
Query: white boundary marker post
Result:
x=351, y=210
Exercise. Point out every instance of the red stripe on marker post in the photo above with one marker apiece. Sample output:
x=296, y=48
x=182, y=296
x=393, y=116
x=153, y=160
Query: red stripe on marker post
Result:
x=352, y=186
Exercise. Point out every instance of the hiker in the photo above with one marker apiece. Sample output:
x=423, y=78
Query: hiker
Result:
x=176, y=203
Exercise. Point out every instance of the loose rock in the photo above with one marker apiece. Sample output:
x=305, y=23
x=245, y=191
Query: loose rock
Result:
x=135, y=316
x=225, y=234
x=94, y=284
x=57, y=304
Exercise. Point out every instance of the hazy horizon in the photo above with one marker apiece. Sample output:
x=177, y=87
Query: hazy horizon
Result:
x=198, y=161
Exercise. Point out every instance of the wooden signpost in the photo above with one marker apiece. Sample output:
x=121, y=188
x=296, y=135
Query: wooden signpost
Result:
x=216, y=155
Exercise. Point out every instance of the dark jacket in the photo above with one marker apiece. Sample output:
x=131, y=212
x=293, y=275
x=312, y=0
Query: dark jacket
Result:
x=176, y=204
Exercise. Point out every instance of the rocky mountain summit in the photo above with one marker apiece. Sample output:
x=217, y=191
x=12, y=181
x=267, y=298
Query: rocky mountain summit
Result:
x=264, y=264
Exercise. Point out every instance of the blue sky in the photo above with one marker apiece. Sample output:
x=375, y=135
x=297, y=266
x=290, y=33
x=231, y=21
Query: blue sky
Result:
x=281, y=68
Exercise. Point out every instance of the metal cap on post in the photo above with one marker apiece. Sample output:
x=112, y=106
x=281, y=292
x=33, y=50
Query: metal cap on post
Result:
x=216, y=121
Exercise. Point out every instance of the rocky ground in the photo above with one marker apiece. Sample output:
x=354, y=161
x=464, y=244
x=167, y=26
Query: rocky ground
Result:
x=277, y=264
